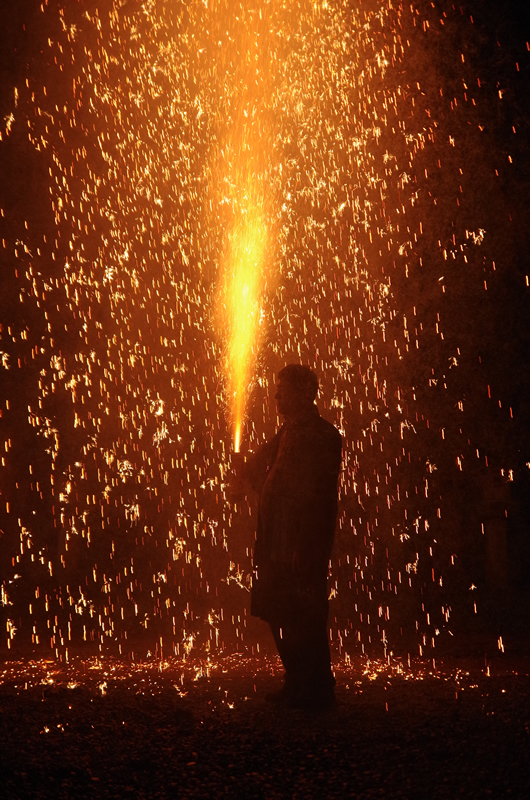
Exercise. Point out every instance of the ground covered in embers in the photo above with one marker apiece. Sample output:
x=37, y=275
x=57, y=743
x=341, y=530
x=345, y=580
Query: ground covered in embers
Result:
x=104, y=728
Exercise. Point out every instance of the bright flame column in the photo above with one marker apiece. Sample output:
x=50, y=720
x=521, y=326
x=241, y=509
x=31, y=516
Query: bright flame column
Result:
x=242, y=294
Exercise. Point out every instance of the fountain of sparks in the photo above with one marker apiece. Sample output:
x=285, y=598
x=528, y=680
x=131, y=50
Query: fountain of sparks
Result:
x=116, y=529
x=242, y=167
x=240, y=298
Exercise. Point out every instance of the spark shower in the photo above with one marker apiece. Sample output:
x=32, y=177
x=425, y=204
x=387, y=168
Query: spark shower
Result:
x=209, y=191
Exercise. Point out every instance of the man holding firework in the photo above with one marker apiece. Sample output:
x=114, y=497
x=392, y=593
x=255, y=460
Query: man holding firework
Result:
x=296, y=474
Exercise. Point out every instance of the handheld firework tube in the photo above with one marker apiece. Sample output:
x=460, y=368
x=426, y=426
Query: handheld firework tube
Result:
x=236, y=488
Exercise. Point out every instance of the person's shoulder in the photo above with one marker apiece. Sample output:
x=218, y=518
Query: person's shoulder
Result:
x=328, y=426
x=329, y=430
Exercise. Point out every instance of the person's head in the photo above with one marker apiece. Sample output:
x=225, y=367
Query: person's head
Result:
x=297, y=389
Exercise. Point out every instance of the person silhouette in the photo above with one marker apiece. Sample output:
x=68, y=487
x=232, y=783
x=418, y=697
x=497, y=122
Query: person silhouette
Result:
x=296, y=474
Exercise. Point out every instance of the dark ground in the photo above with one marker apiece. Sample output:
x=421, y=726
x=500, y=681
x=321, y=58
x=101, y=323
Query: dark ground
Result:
x=111, y=729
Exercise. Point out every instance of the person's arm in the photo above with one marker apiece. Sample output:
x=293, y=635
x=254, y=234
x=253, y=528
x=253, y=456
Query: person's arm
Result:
x=258, y=464
x=253, y=469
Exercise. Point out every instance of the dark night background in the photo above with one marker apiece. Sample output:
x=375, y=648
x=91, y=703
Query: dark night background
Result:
x=485, y=516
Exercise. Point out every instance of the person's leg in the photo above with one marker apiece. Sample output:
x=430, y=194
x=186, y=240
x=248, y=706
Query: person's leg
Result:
x=302, y=641
x=283, y=639
x=281, y=644
x=320, y=658
x=312, y=660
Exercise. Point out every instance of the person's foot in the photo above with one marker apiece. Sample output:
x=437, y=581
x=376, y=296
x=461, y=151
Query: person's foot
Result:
x=314, y=700
x=281, y=697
